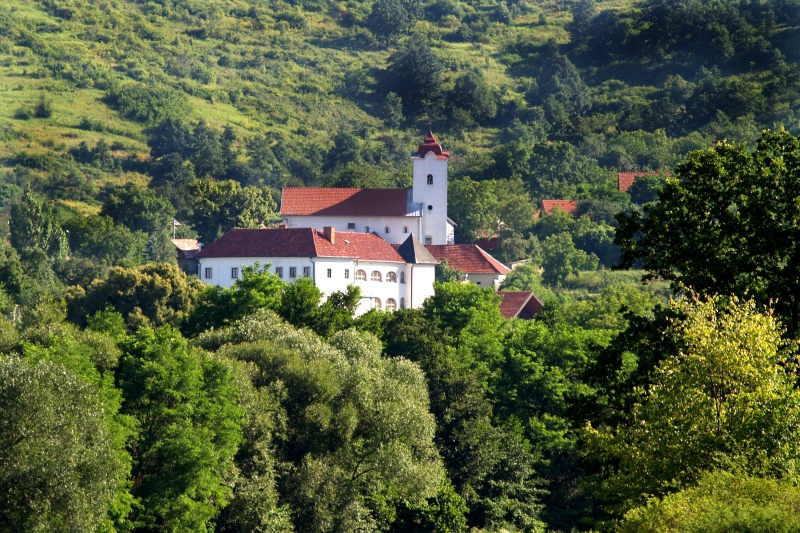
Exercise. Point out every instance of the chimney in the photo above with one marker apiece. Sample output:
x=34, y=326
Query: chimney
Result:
x=281, y=226
x=330, y=233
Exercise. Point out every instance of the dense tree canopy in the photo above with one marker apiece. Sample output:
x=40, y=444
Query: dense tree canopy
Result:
x=727, y=224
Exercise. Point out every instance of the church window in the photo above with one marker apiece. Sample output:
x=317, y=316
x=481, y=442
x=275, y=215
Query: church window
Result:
x=402, y=277
x=405, y=229
x=361, y=275
x=391, y=304
x=377, y=303
x=386, y=229
x=430, y=208
x=391, y=277
x=375, y=276
x=430, y=179
x=402, y=303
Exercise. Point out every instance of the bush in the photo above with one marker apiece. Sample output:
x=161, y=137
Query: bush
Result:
x=149, y=103
x=43, y=108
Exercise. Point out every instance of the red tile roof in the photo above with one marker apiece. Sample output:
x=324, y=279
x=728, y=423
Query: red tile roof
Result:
x=300, y=242
x=468, y=258
x=626, y=179
x=431, y=145
x=568, y=206
x=519, y=304
x=346, y=202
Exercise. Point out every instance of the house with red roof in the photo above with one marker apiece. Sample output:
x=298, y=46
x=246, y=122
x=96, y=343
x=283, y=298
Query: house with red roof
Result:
x=626, y=179
x=477, y=265
x=394, y=214
x=519, y=304
x=568, y=206
x=390, y=276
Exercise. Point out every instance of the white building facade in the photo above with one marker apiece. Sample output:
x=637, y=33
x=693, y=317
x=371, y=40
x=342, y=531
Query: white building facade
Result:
x=390, y=277
x=392, y=213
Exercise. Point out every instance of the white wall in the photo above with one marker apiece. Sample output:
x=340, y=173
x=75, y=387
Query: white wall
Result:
x=401, y=292
x=434, y=221
x=376, y=224
x=492, y=281
x=221, y=267
x=422, y=288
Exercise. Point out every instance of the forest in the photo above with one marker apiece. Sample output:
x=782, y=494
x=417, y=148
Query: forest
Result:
x=656, y=391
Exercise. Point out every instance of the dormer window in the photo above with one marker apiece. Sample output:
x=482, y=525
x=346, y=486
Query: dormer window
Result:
x=430, y=179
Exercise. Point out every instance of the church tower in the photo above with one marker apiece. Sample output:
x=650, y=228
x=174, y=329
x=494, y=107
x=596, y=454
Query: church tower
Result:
x=430, y=191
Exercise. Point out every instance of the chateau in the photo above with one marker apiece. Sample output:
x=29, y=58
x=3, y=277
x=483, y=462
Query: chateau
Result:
x=394, y=214
x=385, y=241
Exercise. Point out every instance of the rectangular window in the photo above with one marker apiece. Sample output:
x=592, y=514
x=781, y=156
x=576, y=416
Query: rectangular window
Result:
x=330, y=272
x=279, y=271
x=307, y=271
x=208, y=273
x=234, y=273
x=346, y=273
x=428, y=239
x=292, y=272
x=351, y=225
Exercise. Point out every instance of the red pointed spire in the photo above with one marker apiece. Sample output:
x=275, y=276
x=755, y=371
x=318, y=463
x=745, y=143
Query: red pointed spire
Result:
x=431, y=145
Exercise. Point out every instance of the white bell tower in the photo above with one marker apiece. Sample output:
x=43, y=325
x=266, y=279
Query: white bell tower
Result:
x=430, y=190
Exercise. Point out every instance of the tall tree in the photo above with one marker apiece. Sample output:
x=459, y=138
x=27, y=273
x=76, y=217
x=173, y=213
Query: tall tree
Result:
x=221, y=206
x=61, y=471
x=190, y=427
x=727, y=223
x=388, y=19
x=34, y=227
x=723, y=399
x=414, y=74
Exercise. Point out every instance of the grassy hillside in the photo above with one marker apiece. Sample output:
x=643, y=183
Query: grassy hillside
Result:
x=622, y=85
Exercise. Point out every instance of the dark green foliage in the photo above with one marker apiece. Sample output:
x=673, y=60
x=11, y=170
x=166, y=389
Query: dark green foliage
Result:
x=43, y=108
x=219, y=207
x=99, y=238
x=473, y=94
x=414, y=73
x=709, y=229
x=388, y=19
x=150, y=104
x=139, y=209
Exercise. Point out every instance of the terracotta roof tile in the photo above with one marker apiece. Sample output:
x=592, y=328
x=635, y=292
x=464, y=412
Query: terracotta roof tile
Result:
x=467, y=258
x=568, y=206
x=519, y=304
x=626, y=179
x=300, y=242
x=346, y=202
